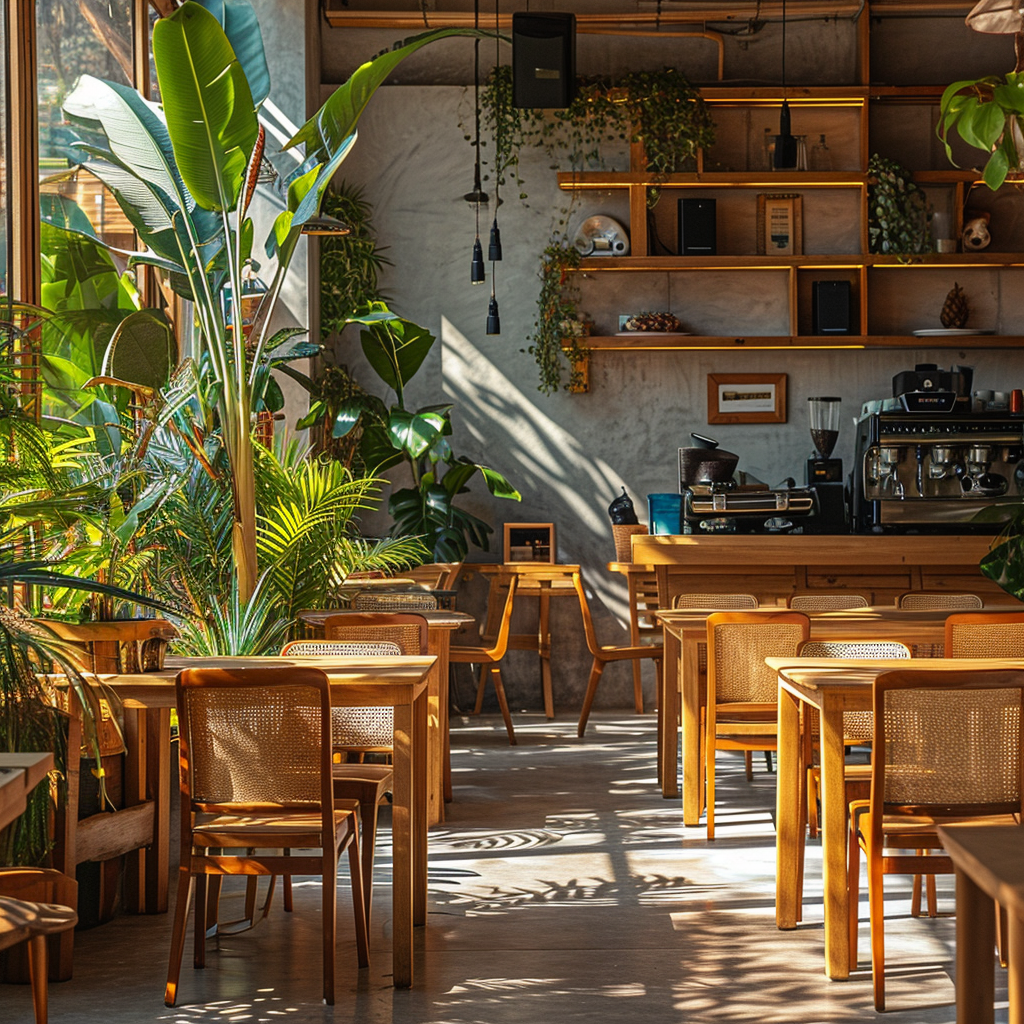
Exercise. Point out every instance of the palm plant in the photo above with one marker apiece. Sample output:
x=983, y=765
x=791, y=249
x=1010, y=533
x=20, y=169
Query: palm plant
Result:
x=185, y=172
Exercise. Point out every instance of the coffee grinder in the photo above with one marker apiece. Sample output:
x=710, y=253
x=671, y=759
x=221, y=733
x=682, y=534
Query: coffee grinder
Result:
x=824, y=473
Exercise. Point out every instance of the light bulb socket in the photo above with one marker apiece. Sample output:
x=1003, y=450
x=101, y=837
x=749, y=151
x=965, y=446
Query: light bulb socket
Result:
x=493, y=320
x=785, y=158
x=494, y=247
x=477, y=271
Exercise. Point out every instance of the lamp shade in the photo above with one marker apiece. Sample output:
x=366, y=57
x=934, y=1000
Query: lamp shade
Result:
x=998, y=17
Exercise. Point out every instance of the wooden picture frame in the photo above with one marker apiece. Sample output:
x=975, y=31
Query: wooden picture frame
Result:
x=746, y=398
x=530, y=542
x=780, y=228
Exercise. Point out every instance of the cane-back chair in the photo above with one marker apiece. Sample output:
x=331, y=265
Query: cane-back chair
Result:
x=642, y=592
x=368, y=784
x=985, y=635
x=947, y=748
x=742, y=703
x=603, y=654
x=926, y=600
x=489, y=658
x=255, y=760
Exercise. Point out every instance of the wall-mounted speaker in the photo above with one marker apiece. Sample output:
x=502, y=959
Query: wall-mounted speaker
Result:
x=830, y=307
x=697, y=227
x=543, y=59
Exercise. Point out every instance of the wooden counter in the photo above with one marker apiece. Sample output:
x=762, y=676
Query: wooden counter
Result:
x=772, y=567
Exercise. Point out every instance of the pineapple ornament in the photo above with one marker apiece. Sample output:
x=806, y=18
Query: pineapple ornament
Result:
x=955, y=310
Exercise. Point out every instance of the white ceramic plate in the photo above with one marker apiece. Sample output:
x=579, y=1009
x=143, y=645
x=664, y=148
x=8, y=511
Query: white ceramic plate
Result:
x=945, y=332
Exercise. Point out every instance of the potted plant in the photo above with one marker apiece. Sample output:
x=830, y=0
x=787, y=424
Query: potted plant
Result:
x=986, y=113
x=560, y=329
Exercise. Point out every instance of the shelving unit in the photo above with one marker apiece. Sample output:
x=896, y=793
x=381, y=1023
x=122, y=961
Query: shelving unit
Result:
x=835, y=217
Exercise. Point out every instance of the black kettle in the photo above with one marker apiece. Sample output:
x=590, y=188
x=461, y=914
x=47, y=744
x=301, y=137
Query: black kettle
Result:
x=621, y=510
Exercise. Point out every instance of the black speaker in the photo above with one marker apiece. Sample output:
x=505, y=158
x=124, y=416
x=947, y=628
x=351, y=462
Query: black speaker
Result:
x=543, y=59
x=830, y=307
x=697, y=235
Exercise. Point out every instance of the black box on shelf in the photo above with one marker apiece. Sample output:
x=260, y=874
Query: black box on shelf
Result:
x=697, y=227
x=830, y=307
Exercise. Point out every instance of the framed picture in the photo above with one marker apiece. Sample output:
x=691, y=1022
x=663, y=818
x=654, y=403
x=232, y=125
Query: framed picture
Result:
x=530, y=542
x=746, y=398
x=780, y=224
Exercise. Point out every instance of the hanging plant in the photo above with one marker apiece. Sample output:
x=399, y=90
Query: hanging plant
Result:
x=897, y=211
x=659, y=107
x=559, y=331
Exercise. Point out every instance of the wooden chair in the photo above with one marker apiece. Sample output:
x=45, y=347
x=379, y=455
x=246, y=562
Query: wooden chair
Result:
x=32, y=922
x=985, y=635
x=370, y=601
x=827, y=601
x=742, y=704
x=642, y=593
x=255, y=759
x=603, y=654
x=357, y=729
x=947, y=748
x=490, y=657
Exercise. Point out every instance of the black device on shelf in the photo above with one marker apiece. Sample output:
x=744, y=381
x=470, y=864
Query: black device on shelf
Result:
x=697, y=227
x=830, y=307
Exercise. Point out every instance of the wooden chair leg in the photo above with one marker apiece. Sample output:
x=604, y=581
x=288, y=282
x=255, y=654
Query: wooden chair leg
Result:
x=876, y=905
x=812, y=803
x=213, y=885
x=1002, y=935
x=748, y=764
x=485, y=671
x=933, y=899
x=588, y=700
x=360, y=907
x=709, y=775
x=181, y=907
x=368, y=814
x=638, y=689
x=37, y=971
x=853, y=889
x=329, y=911
x=499, y=689
x=199, y=935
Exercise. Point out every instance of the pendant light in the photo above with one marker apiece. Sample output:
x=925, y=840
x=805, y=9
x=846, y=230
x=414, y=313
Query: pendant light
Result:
x=785, y=141
x=477, y=273
x=494, y=244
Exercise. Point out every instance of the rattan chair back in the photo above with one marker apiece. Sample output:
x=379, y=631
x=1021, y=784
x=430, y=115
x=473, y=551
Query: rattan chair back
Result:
x=407, y=630
x=738, y=643
x=827, y=601
x=622, y=535
x=387, y=601
x=923, y=601
x=947, y=744
x=985, y=635
x=716, y=602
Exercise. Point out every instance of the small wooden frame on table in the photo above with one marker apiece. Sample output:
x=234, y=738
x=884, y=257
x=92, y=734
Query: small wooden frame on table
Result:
x=746, y=398
x=780, y=224
x=530, y=542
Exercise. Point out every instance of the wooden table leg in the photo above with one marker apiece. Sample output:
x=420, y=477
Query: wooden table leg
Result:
x=668, y=702
x=975, y=970
x=403, y=819
x=688, y=695
x=158, y=789
x=419, y=809
x=444, y=668
x=437, y=715
x=833, y=841
x=1015, y=981
x=544, y=648
x=135, y=764
x=788, y=819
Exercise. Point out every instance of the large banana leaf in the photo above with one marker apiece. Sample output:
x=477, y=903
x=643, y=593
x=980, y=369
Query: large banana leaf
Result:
x=211, y=117
x=241, y=26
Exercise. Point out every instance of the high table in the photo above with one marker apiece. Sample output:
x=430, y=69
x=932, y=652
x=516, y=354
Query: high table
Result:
x=396, y=682
x=989, y=863
x=832, y=685
x=686, y=632
x=440, y=626
x=19, y=775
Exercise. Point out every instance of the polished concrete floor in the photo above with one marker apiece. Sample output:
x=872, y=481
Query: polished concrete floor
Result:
x=562, y=887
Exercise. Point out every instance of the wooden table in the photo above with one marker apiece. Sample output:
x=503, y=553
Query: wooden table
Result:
x=989, y=863
x=440, y=626
x=542, y=580
x=397, y=682
x=686, y=633
x=832, y=685
x=19, y=775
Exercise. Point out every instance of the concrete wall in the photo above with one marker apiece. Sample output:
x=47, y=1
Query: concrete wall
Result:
x=569, y=454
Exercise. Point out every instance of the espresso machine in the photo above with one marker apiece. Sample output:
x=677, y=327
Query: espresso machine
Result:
x=929, y=460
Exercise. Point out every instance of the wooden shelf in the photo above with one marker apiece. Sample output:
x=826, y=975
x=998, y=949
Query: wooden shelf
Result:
x=645, y=341
x=849, y=261
x=761, y=180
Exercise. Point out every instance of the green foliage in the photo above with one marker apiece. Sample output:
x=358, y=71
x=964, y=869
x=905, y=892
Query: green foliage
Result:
x=1004, y=562
x=348, y=265
x=660, y=108
x=557, y=308
x=897, y=211
x=988, y=114
x=396, y=435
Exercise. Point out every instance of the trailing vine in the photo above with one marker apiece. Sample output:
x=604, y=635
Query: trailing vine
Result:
x=659, y=107
x=897, y=210
x=559, y=329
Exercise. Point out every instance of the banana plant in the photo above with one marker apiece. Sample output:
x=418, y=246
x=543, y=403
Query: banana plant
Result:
x=396, y=349
x=184, y=172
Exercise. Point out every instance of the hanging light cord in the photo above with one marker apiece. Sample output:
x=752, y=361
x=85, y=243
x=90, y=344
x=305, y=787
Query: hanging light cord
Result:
x=783, y=49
